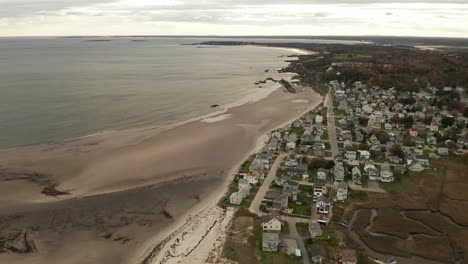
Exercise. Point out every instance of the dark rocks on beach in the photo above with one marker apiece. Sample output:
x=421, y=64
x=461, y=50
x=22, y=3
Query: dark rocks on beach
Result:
x=267, y=79
x=214, y=106
x=51, y=190
x=287, y=86
x=167, y=214
x=18, y=242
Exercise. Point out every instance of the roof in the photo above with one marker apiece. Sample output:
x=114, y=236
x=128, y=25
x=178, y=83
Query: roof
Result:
x=320, y=183
x=342, y=185
x=268, y=218
x=317, y=252
x=270, y=237
x=348, y=255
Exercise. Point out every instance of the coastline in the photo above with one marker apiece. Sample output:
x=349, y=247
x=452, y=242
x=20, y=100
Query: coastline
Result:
x=172, y=239
x=121, y=179
x=125, y=163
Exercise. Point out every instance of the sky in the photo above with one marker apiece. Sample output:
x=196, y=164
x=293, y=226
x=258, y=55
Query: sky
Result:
x=441, y=18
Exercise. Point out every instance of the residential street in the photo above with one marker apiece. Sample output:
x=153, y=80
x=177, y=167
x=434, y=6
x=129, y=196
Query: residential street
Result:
x=255, y=205
x=331, y=125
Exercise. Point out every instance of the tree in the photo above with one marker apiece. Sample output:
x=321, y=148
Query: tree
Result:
x=363, y=121
x=408, y=121
x=396, y=150
x=447, y=121
x=465, y=112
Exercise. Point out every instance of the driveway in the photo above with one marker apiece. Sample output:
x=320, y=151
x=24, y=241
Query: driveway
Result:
x=255, y=205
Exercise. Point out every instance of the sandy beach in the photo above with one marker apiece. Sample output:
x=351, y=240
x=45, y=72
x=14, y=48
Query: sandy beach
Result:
x=126, y=191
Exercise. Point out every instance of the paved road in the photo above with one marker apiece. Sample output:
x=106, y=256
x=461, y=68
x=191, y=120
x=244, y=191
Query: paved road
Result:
x=255, y=205
x=295, y=235
x=331, y=125
x=373, y=186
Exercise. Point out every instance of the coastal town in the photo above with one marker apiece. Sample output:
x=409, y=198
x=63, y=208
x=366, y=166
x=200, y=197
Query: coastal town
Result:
x=362, y=139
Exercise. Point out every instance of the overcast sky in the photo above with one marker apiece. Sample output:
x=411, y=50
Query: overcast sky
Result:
x=234, y=17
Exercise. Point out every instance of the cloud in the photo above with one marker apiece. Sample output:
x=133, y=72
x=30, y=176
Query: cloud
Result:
x=128, y=17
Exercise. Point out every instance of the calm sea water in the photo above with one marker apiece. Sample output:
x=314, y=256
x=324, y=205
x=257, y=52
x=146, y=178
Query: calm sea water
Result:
x=57, y=88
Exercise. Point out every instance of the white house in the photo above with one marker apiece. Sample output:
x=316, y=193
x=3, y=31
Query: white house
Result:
x=364, y=154
x=416, y=166
x=236, y=198
x=320, y=187
x=342, y=191
x=291, y=145
x=356, y=173
x=252, y=178
x=319, y=119
x=271, y=223
x=386, y=174
x=321, y=174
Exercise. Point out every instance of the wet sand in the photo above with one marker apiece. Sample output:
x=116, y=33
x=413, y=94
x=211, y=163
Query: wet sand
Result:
x=129, y=189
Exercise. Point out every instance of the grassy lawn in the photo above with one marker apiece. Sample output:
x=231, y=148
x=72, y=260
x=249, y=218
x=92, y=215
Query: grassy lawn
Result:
x=303, y=229
x=285, y=228
x=324, y=87
x=328, y=154
x=352, y=56
x=427, y=151
x=281, y=173
x=305, y=188
x=263, y=208
x=303, y=209
x=312, y=60
x=296, y=178
x=358, y=196
x=298, y=130
x=246, y=165
x=278, y=258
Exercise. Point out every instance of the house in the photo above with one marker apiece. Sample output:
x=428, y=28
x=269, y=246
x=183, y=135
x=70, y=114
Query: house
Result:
x=320, y=187
x=342, y=191
x=373, y=140
x=386, y=174
x=322, y=174
x=318, y=254
x=339, y=172
x=236, y=198
x=416, y=166
x=271, y=223
x=364, y=154
x=274, y=144
x=367, y=109
x=443, y=151
x=279, y=204
x=348, y=256
x=315, y=229
x=394, y=159
x=423, y=159
x=323, y=205
x=257, y=165
x=243, y=184
x=319, y=119
x=413, y=132
x=434, y=127
x=291, y=161
x=291, y=189
x=270, y=241
x=351, y=154
x=356, y=174
x=252, y=178
x=291, y=145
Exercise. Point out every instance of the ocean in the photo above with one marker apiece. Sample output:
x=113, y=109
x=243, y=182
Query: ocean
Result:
x=52, y=89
